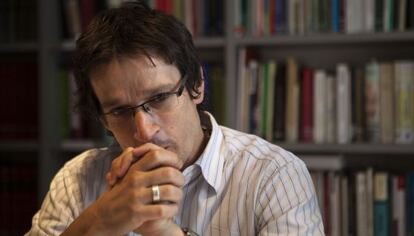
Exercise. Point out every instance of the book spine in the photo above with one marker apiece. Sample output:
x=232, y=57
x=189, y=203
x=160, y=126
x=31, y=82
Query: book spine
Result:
x=306, y=120
x=381, y=205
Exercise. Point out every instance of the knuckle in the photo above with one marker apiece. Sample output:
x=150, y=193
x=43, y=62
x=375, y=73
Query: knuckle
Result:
x=134, y=179
x=169, y=190
x=170, y=172
x=160, y=212
x=136, y=213
x=137, y=194
x=156, y=155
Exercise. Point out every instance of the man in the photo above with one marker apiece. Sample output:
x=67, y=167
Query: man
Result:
x=174, y=171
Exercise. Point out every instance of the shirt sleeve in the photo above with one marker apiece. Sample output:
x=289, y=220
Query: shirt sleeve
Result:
x=287, y=203
x=60, y=206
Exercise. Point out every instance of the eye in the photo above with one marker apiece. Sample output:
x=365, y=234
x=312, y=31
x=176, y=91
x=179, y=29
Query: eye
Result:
x=160, y=97
x=121, y=111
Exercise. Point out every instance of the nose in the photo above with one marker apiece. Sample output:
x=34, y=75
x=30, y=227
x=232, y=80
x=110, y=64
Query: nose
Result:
x=145, y=127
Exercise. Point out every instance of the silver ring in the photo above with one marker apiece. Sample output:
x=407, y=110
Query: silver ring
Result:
x=156, y=196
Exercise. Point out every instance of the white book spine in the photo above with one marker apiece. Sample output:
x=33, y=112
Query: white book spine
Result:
x=343, y=103
x=361, y=204
x=319, y=106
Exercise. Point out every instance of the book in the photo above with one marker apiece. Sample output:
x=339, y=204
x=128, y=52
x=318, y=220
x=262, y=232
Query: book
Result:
x=358, y=106
x=336, y=16
x=319, y=100
x=398, y=205
x=387, y=103
x=388, y=16
x=306, y=106
x=379, y=15
x=370, y=200
x=335, y=201
x=330, y=109
x=381, y=205
x=271, y=76
x=361, y=203
x=402, y=15
x=404, y=84
x=344, y=205
x=343, y=102
x=279, y=109
x=292, y=102
x=410, y=203
x=372, y=101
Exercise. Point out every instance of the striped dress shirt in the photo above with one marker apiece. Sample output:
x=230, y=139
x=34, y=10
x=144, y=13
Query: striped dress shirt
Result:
x=240, y=185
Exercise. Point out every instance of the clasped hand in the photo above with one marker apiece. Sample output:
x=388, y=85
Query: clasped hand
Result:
x=128, y=203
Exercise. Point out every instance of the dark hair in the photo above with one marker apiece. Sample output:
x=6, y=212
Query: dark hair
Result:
x=133, y=30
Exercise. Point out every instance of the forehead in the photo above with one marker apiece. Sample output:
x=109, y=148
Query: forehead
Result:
x=137, y=77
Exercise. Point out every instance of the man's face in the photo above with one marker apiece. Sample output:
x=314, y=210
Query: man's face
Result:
x=127, y=82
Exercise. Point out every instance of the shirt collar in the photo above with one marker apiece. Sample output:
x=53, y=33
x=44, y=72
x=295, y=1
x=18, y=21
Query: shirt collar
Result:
x=210, y=161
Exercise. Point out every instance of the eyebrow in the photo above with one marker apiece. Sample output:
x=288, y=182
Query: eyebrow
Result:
x=148, y=94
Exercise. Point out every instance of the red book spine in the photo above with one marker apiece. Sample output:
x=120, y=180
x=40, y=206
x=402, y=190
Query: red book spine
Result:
x=306, y=121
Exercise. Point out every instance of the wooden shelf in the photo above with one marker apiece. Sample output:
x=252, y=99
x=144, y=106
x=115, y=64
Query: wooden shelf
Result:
x=68, y=45
x=18, y=47
x=370, y=149
x=19, y=146
x=327, y=39
x=213, y=42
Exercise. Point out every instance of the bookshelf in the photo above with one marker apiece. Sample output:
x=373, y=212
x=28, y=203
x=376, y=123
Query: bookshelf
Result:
x=320, y=50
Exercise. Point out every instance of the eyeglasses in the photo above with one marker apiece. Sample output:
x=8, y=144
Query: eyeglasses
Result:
x=157, y=105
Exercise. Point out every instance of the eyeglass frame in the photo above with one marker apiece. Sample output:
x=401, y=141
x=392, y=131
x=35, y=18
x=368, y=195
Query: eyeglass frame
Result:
x=145, y=107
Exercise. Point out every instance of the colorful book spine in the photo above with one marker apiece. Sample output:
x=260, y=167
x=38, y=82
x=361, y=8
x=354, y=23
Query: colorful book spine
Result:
x=381, y=205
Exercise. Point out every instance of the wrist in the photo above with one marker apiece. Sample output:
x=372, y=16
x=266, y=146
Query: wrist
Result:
x=175, y=230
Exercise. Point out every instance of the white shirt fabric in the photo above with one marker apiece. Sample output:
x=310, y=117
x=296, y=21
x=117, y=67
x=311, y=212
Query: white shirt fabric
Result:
x=240, y=185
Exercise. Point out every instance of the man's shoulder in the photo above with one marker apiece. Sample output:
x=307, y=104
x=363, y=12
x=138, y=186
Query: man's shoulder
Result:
x=90, y=158
x=244, y=145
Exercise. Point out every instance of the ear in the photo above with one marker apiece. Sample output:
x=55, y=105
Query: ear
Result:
x=200, y=89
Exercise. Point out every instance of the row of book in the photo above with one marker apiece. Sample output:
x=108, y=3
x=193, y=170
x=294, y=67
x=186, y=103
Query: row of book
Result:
x=203, y=17
x=18, y=21
x=365, y=202
x=19, y=100
x=274, y=17
x=18, y=196
x=284, y=101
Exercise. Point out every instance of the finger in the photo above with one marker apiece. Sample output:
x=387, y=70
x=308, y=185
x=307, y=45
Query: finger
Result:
x=121, y=164
x=159, y=211
x=161, y=176
x=155, y=158
x=118, y=169
x=169, y=194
